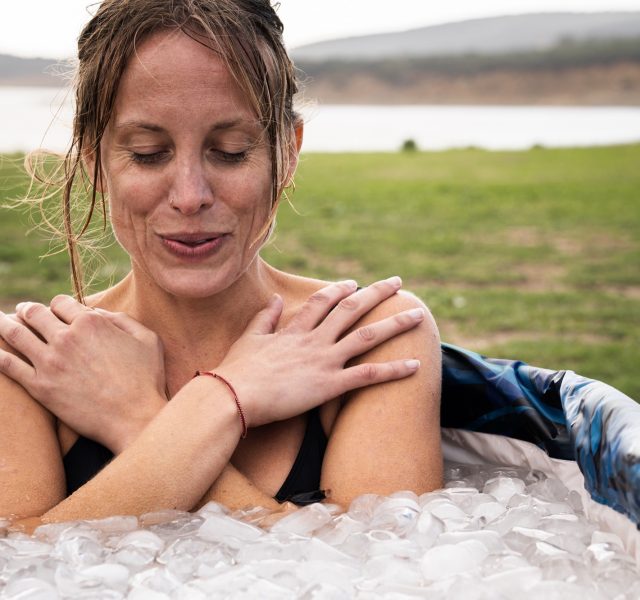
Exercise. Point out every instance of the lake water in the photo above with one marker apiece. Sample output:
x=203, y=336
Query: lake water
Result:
x=35, y=117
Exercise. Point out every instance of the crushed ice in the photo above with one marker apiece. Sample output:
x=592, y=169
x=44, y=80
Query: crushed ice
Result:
x=492, y=533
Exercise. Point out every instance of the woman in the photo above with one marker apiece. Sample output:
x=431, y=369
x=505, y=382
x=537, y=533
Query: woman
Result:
x=185, y=124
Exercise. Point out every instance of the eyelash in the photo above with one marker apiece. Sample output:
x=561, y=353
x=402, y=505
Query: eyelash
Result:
x=156, y=157
x=147, y=159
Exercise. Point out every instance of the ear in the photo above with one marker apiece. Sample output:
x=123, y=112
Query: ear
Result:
x=89, y=160
x=294, y=153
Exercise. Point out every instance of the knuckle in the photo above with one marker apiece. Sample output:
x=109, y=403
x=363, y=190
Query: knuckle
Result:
x=347, y=286
x=58, y=300
x=403, y=319
x=369, y=372
x=393, y=371
x=6, y=362
x=13, y=334
x=366, y=333
x=33, y=309
x=87, y=318
x=349, y=303
x=52, y=362
x=318, y=298
x=61, y=338
x=382, y=285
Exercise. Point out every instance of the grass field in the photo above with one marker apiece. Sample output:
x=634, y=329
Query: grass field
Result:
x=532, y=255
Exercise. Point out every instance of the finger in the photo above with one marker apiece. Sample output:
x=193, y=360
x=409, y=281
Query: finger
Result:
x=352, y=308
x=267, y=319
x=125, y=322
x=365, y=338
x=18, y=370
x=320, y=304
x=39, y=318
x=20, y=338
x=372, y=373
x=67, y=308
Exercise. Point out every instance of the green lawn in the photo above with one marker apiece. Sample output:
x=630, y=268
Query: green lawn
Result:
x=532, y=255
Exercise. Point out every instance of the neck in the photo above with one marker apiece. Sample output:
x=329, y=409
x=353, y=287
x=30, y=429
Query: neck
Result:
x=196, y=332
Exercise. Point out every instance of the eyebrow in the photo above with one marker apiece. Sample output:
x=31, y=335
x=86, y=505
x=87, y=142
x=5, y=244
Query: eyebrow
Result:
x=223, y=125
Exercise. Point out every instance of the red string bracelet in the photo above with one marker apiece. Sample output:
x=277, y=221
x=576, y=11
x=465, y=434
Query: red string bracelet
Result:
x=235, y=397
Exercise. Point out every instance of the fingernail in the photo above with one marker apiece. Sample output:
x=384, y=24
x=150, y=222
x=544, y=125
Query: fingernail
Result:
x=20, y=306
x=413, y=364
x=350, y=283
x=395, y=281
x=416, y=313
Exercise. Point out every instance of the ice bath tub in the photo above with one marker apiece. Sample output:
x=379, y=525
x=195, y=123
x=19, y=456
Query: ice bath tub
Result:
x=516, y=517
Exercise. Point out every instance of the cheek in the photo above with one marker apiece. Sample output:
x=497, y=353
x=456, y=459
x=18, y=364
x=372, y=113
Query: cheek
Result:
x=130, y=198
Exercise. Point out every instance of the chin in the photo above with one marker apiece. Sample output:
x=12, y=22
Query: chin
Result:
x=194, y=284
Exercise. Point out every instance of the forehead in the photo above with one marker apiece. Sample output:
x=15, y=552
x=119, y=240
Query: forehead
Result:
x=170, y=70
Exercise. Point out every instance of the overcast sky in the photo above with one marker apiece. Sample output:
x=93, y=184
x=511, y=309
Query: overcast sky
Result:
x=50, y=27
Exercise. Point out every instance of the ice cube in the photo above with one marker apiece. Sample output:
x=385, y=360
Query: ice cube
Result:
x=362, y=507
x=220, y=528
x=539, y=551
x=30, y=588
x=606, y=537
x=324, y=591
x=445, y=510
x=488, y=511
x=510, y=583
x=316, y=549
x=450, y=559
x=502, y=488
x=319, y=571
x=339, y=529
x=398, y=514
x=79, y=546
x=565, y=568
x=304, y=521
x=390, y=569
x=138, y=548
x=550, y=489
x=428, y=527
x=490, y=539
x=514, y=517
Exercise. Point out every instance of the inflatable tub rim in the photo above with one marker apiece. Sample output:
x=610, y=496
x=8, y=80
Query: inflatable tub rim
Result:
x=477, y=448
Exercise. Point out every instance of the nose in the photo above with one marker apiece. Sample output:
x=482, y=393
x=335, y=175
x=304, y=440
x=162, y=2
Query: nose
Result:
x=190, y=191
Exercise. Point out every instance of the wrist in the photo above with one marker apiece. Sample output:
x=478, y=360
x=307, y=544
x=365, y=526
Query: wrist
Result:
x=232, y=392
x=213, y=393
x=136, y=423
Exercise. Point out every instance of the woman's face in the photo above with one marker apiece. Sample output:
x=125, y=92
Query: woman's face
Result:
x=186, y=167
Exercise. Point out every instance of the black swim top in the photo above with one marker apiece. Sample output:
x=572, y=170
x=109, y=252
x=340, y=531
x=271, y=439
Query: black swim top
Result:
x=302, y=485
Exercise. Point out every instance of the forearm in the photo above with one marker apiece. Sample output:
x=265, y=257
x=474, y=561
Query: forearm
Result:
x=170, y=465
x=235, y=491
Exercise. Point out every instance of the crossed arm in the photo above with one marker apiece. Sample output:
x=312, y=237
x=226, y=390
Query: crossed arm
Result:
x=173, y=462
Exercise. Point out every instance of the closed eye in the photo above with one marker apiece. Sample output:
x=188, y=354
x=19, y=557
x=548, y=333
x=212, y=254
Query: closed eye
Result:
x=149, y=158
x=232, y=157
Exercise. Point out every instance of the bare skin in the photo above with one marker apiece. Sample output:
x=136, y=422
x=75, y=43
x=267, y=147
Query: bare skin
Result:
x=184, y=156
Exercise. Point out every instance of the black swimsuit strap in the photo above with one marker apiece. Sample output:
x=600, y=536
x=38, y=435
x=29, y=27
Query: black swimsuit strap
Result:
x=302, y=485
x=86, y=457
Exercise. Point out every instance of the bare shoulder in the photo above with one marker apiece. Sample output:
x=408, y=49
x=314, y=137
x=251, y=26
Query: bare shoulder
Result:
x=14, y=399
x=31, y=479
x=398, y=303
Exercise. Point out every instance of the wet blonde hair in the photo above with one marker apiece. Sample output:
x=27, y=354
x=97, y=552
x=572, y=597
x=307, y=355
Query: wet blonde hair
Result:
x=246, y=34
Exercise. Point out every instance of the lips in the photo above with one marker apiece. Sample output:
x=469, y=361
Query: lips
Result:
x=193, y=245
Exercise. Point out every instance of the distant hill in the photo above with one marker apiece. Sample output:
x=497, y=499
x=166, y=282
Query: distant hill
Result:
x=496, y=35
x=596, y=73
x=545, y=58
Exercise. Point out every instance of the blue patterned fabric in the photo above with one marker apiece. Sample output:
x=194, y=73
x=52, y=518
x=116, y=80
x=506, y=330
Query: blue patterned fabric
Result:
x=569, y=416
